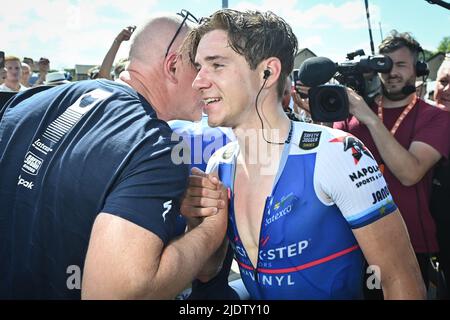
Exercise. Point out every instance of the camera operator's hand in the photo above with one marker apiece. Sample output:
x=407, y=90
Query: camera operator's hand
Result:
x=299, y=102
x=359, y=108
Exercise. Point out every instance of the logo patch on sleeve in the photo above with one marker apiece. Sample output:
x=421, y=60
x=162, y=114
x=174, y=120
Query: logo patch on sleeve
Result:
x=356, y=146
x=309, y=140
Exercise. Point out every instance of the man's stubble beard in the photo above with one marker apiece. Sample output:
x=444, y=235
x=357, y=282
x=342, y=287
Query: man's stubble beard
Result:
x=397, y=94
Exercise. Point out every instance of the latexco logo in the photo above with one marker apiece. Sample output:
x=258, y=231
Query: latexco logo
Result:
x=41, y=146
x=25, y=183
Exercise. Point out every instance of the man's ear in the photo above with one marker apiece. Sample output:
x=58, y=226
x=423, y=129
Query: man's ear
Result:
x=271, y=69
x=170, y=67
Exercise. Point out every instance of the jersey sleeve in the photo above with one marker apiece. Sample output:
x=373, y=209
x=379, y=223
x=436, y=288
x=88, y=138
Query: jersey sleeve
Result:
x=149, y=189
x=347, y=175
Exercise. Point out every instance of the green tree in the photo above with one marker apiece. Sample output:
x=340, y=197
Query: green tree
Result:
x=444, y=45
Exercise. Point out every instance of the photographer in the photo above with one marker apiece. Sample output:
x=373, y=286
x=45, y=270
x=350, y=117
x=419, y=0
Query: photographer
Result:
x=407, y=137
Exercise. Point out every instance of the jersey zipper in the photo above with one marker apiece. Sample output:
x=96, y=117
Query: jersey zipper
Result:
x=266, y=208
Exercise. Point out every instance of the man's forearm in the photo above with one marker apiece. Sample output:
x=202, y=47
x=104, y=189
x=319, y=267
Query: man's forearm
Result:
x=190, y=252
x=398, y=159
x=214, y=264
x=108, y=61
x=405, y=289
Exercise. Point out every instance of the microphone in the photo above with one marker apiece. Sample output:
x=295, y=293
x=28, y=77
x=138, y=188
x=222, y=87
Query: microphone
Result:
x=315, y=71
x=407, y=90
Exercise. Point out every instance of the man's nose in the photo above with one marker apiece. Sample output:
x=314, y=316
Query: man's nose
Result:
x=201, y=81
x=394, y=72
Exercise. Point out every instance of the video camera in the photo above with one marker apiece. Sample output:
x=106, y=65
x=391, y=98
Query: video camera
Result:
x=329, y=102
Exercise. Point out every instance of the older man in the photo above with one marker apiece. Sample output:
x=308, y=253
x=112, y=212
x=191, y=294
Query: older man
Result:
x=89, y=183
x=442, y=90
x=441, y=179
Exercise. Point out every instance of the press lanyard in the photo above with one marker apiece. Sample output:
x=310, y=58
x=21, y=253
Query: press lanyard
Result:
x=399, y=120
x=401, y=117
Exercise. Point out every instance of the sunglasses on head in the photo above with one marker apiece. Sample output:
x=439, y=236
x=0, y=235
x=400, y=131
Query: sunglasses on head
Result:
x=186, y=16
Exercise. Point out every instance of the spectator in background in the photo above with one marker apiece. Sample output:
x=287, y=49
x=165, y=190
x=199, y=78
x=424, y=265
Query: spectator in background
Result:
x=442, y=89
x=26, y=74
x=120, y=66
x=105, y=68
x=13, y=67
x=301, y=105
x=55, y=78
x=68, y=75
x=31, y=63
x=3, y=73
x=439, y=204
x=287, y=102
x=421, y=89
x=44, y=67
x=408, y=137
x=93, y=72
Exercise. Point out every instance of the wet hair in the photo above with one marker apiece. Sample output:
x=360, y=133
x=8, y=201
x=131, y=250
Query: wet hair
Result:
x=397, y=40
x=255, y=35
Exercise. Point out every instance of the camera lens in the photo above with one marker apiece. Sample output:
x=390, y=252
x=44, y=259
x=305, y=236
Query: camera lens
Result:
x=330, y=101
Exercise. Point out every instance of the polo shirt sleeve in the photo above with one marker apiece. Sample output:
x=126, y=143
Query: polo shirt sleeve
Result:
x=149, y=189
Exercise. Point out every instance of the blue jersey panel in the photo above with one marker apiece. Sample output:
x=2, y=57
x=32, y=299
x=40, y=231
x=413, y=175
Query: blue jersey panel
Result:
x=301, y=241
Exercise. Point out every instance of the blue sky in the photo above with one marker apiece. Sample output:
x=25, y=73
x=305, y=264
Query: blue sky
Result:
x=71, y=32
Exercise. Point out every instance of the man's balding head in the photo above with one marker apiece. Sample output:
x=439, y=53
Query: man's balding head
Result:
x=442, y=90
x=151, y=41
x=163, y=79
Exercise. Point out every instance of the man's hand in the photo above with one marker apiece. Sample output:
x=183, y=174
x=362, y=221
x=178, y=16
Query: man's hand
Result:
x=359, y=108
x=206, y=202
x=204, y=197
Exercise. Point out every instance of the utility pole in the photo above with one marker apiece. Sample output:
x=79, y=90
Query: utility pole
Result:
x=381, y=31
x=370, y=28
x=224, y=4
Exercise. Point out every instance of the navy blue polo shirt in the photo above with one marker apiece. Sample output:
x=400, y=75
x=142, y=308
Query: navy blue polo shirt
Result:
x=67, y=154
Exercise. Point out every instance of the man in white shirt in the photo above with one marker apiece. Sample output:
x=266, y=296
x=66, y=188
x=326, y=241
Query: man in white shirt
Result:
x=13, y=75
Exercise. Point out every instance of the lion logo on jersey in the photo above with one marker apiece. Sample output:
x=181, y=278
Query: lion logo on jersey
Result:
x=357, y=147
